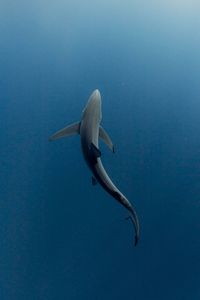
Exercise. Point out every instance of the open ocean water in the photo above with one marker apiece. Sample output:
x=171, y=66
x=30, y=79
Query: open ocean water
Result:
x=60, y=237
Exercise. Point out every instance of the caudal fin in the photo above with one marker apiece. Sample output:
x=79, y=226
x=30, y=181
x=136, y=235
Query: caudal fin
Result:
x=134, y=219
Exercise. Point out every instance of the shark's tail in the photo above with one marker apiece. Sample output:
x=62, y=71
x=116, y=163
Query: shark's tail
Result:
x=133, y=215
x=134, y=219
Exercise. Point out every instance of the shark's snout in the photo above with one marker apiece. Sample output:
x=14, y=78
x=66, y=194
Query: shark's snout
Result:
x=94, y=100
x=95, y=97
x=96, y=94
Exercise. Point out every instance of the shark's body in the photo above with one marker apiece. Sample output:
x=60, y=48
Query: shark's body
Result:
x=90, y=130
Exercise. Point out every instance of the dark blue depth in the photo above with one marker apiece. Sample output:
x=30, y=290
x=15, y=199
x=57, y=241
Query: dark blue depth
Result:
x=61, y=237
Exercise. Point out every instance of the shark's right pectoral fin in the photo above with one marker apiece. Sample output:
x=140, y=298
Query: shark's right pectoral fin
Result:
x=67, y=131
x=105, y=137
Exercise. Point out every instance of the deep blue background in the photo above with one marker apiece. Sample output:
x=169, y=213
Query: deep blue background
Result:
x=61, y=238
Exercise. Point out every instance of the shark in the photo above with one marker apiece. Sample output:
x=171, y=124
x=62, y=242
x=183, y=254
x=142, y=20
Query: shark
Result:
x=90, y=130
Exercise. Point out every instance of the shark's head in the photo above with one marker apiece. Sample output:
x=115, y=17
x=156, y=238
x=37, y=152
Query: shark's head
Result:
x=93, y=106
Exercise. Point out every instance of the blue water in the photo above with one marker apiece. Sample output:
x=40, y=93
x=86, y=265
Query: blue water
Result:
x=60, y=237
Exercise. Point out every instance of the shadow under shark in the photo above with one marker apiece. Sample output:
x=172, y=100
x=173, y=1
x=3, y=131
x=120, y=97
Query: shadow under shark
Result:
x=90, y=131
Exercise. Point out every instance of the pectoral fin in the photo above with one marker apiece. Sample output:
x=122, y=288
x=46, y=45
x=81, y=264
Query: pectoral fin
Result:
x=67, y=131
x=105, y=137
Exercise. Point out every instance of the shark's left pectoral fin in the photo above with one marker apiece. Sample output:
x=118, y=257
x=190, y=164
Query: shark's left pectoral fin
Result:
x=66, y=131
x=105, y=137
